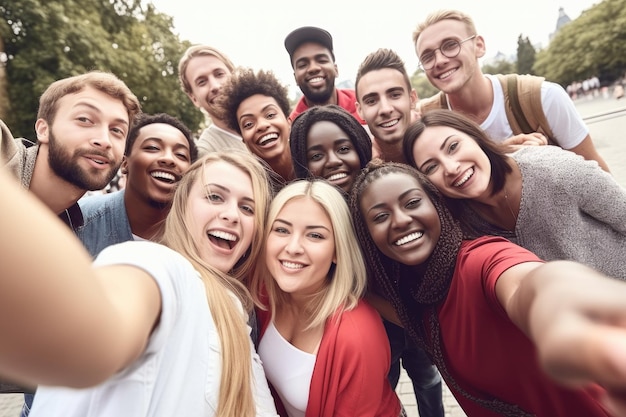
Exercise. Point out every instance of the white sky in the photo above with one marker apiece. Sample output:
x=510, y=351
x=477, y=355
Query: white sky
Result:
x=252, y=32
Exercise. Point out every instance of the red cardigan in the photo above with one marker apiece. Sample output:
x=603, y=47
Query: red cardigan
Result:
x=350, y=374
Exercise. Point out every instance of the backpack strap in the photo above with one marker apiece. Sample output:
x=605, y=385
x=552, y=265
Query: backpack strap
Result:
x=524, y=111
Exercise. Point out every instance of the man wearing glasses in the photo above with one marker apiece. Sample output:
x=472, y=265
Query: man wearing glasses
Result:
x=448, y=49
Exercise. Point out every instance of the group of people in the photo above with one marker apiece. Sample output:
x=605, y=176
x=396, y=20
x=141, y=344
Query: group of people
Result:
x=289, y=261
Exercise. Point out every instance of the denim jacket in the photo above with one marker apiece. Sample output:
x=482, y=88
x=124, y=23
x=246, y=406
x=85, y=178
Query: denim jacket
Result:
x=105, y=221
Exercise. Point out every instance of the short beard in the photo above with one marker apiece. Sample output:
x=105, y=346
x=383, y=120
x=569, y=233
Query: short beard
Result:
x=65, y=166
x=318, y=97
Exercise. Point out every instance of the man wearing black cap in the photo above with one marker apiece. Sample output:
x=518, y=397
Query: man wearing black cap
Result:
x=314, y=69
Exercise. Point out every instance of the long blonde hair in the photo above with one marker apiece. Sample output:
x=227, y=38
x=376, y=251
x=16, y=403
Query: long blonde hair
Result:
x=346, y=280
x=236, y=395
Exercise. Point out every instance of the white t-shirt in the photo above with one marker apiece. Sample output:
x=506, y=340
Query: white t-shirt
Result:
x=179, y=372
x=566, y=123
x=289, y=369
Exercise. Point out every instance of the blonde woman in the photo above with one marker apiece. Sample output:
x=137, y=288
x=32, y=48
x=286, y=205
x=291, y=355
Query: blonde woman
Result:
x=324, y=349
x=151, y=329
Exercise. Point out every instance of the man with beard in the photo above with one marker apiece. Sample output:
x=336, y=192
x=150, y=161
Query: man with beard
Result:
x=314, y=69
x=202, y=71
x=159, y=150
x=81, y=128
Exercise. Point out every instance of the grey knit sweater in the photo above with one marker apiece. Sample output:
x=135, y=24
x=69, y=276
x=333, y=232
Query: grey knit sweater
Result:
x=570, y=209
x=15, y=156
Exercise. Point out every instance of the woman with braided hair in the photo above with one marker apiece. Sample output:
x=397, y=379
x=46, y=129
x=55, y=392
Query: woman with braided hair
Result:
x=511, y=335
x=328, y=142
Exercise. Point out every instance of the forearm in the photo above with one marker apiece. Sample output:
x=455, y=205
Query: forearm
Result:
x=50, y=295
x=571, y=313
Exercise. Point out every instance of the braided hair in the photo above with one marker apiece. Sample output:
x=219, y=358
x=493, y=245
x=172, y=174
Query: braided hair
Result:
x=416, y=298
x=332, y=113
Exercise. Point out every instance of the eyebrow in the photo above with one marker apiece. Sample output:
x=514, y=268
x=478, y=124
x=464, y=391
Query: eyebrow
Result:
x=262, y=110
x=309, y=227
x=370, y=95
x=160, y=140
x=400, y=197
x=225, y=189
x=443, y=145
x=97, y=110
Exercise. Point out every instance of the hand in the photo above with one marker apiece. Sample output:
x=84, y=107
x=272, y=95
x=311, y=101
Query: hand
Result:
x=527, y=139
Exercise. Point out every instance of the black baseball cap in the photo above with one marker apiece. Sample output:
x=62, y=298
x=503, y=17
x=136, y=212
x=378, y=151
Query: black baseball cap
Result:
x=308, y=34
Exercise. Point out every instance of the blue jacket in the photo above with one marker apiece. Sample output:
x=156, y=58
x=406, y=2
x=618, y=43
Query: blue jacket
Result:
x=105, y=221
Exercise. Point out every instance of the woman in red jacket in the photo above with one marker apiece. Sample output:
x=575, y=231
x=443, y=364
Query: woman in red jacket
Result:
x=324, y=349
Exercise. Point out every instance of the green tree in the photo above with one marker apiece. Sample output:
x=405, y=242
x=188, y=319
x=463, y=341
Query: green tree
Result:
x=48, y=40
x=422, y=86
x=592, y=44
x=525, y=55
x=500, y=66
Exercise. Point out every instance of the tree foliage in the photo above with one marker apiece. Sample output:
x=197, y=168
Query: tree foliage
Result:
x=48, y=40
x=592, y=44
x=525, y=55
x=501, y=66
x=422, y=86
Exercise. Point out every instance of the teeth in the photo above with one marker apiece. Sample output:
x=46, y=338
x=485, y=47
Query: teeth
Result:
x=446, y=74
x=390, y=123
x=468, y=175
x=163, y=175
x=316, y=79
x=97, y=161
x=292, y=265
x=409, y=238
x=336, y=177
x=267, y=138
x=223, y=235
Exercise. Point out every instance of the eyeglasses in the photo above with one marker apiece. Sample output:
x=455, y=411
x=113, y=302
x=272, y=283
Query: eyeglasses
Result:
x=450, y=49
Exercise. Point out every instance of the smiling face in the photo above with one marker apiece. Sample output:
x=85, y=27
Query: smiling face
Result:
x=206, y=75
x=300, y=247
x=314, y=72
x=264, y=127
x=454, y=162
x=401, y=219
x=385, y=103
x=86, y=140
x=159, y=157
x=451, y=74
x=221, y=209
x=331, y=155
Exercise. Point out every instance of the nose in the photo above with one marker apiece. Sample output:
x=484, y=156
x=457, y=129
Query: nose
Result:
x=102, y=139
x=385, y=105
x=399, y=219
x=229, y=213
x=333, y=160
x=294, y=246
x=450, y=166
x=167, y=157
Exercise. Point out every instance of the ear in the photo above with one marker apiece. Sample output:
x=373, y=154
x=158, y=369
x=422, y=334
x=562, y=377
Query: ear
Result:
x=358, y=109
x=124, y=166
x=194, y=100
x=413, y=97
x=42, y=129
x=481, y=47
x=336, y=70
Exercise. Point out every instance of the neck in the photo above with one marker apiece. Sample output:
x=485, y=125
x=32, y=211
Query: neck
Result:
x=52, y=190
x=390, y=152
x=222, y=124
x=502, y=208
x=283, y=166
x=145, y=218
x=474, y=100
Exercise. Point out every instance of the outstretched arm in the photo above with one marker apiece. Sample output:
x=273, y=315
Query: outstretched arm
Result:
x=63, y=322
x=577, y=319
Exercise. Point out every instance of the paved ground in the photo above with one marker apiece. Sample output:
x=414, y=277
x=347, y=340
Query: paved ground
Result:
x=610, y=140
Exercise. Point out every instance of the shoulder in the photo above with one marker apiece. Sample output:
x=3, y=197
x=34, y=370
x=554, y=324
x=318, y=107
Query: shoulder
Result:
x=361, y=323
x=548, y=157
x=435, y=102
x=491, y=254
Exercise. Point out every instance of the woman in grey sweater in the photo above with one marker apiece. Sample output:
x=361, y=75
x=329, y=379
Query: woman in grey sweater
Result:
x=546, y=199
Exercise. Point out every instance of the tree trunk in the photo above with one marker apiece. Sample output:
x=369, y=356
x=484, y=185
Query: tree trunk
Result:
x=4, y=96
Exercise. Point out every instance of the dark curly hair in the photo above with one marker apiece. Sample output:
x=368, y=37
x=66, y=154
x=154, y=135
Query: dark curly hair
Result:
x=331, y=113
x=245, y=83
